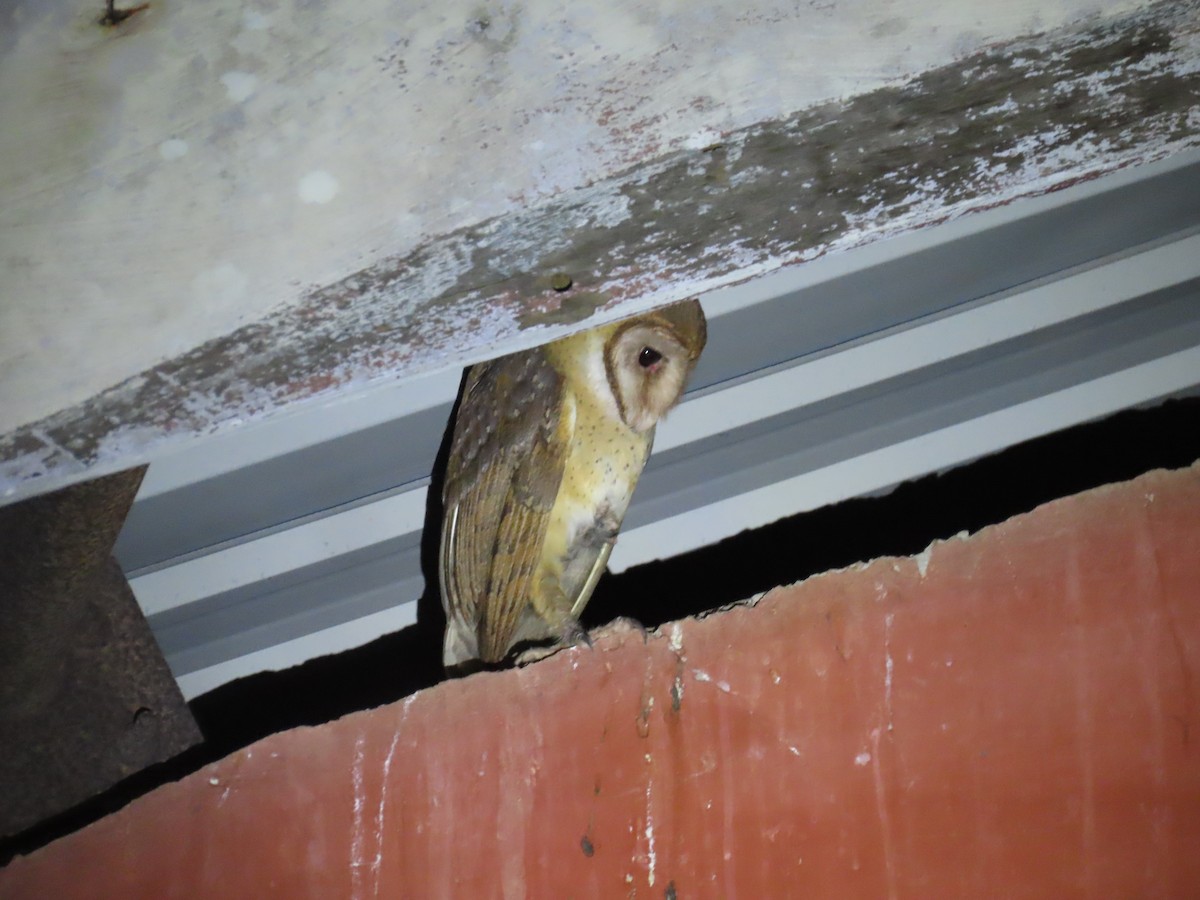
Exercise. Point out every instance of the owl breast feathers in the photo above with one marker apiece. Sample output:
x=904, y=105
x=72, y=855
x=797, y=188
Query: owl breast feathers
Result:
x=548, y=445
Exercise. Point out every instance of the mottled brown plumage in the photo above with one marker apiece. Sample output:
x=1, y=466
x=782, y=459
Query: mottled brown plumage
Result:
x=547, y=449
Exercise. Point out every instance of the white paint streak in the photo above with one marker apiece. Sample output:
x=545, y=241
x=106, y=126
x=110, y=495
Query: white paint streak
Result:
x=889, y=667
x=651, y=854
x=885, y=820
x=357, y=835
x=701, y=675
x=380, y=831
x=675, y=641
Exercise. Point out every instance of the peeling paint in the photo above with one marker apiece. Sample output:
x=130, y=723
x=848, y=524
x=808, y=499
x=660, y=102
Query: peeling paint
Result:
x=922, y=560
x=357, y=860
x=651, y=853
x=889, y=669
x=1012, y=120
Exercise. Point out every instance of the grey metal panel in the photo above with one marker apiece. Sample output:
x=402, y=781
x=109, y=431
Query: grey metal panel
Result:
x=939, y=278
x=282, y=489
x=1002, y=375
x=307, y=599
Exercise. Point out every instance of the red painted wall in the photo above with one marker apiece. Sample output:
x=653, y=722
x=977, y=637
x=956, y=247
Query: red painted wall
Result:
x=1012, y=714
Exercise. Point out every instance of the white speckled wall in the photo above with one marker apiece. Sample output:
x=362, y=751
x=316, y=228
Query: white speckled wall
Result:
x=166, y=181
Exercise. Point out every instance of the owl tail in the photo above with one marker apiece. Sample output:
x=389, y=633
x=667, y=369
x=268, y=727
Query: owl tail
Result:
x=461, y=645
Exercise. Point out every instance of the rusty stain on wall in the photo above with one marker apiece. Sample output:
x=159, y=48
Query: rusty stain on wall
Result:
x=1019, y=119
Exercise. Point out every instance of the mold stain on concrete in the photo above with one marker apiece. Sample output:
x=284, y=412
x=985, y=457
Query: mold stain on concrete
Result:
x=1018, y=119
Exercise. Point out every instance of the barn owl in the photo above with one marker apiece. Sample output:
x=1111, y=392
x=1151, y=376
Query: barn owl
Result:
x=547, y=448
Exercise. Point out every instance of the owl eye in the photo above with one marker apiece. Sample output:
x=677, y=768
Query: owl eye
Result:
x=648, y=357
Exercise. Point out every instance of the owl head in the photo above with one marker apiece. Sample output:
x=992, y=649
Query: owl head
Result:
x=648, y=359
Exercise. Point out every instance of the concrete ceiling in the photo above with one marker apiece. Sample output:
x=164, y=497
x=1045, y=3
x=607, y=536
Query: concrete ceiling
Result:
x=200, y=166
x=254, y=244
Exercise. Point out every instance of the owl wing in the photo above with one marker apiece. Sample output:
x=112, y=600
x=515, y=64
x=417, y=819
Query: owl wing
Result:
x=503, y=475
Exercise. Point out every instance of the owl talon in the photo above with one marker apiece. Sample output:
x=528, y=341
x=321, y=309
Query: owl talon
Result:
x=573, y=634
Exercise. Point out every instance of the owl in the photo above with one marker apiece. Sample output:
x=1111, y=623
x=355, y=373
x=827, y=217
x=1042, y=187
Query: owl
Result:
x=547, y=448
